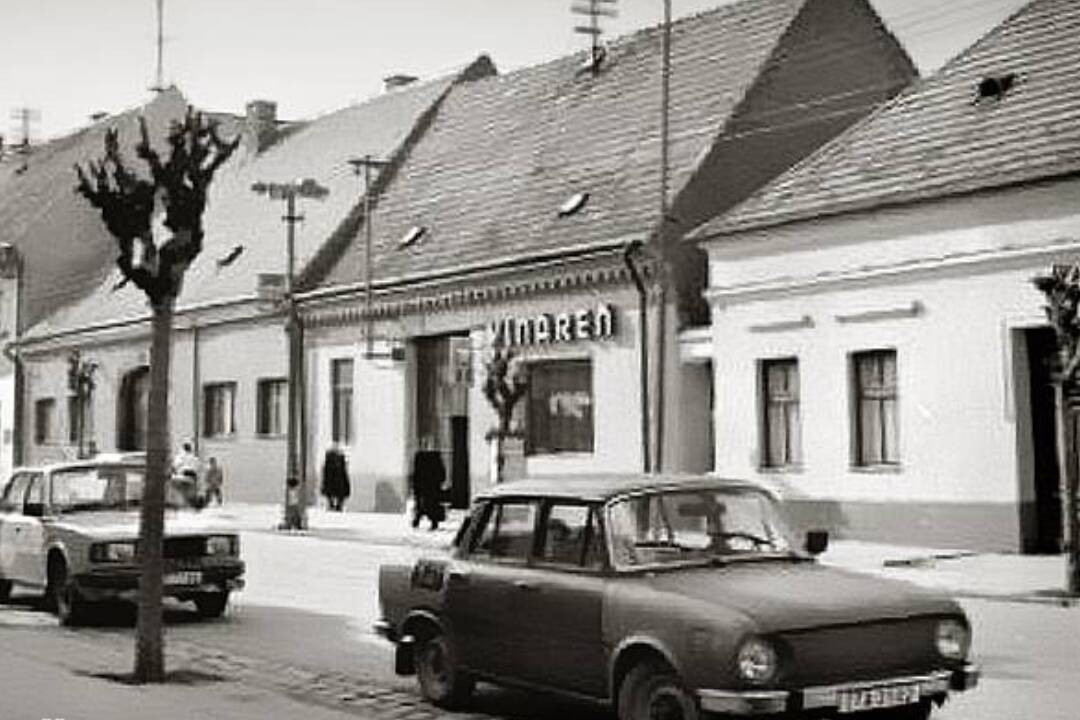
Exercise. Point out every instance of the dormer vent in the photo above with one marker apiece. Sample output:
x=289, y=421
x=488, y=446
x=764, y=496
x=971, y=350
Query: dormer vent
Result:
x=412, y=236
x=573, y=205
x=994, y=87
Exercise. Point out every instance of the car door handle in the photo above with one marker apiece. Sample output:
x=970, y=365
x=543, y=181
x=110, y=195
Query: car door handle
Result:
x=526, y=586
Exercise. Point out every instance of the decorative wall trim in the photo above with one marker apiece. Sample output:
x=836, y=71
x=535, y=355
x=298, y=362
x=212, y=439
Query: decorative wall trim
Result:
x=912, y=309
x=800, y=323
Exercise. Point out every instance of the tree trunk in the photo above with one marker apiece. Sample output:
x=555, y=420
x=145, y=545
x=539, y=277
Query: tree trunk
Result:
x=149, y=638
x=1068, y=459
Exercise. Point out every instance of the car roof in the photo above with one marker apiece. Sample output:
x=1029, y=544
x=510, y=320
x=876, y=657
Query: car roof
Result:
x=118, y=458
x=601, y=488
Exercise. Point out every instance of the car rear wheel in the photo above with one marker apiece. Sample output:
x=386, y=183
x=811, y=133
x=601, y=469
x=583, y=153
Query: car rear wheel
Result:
x=653, y=691
x=442, y=682
x=5, y=590
x=63, y=596
x=212, y=605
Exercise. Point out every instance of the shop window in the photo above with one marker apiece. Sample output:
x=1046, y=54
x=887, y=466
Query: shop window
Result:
x=272, y=406
x=875, y=412
x=219, y=409
x=560, y=411
x=781, y=423
x=44, y=420
x=341, y=379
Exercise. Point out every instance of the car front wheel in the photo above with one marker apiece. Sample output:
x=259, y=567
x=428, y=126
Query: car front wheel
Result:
x=5, y=590
x=212, y=605
x=63, y=596
x=653, y=691
x=442, y=682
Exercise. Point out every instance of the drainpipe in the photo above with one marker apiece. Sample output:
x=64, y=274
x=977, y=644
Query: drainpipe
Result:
x=196, y=380
x=632, y=248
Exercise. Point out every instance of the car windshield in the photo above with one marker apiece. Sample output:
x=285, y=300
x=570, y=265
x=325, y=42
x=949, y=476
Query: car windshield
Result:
x=681, y=526
x=103, y=487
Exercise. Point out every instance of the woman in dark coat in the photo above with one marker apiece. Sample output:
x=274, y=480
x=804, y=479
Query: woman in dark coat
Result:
x=428, y=476
x=335, y=479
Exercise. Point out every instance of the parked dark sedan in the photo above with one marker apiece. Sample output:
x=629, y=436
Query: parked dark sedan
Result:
x=666, y=597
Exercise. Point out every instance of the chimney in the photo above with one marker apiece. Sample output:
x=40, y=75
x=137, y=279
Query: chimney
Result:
x=260, y=125
x=398, y=80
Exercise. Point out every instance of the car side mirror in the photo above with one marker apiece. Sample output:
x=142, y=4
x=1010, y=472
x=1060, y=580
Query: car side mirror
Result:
x=817, y=541
x=34, y=509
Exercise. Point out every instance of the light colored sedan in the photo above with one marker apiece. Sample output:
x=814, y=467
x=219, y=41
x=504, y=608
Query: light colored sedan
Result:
x=71, y=530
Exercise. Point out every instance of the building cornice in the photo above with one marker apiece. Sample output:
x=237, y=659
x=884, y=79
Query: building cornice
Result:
x=973, y=261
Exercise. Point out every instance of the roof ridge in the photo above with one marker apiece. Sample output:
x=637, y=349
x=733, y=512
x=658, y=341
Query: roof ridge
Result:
x=729, y=223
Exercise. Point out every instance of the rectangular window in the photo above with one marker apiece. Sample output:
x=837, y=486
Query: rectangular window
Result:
x=44, y=420
x=560, y=410
x=876, y=426
x=219, y=409
x=341, y=381
x=273, y=406
x=781, y=425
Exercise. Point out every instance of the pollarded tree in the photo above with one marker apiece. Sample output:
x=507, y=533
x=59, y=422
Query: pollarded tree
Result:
x=504, y=386
x=127, y=202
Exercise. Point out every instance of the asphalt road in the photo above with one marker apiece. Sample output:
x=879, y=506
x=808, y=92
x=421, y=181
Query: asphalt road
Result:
x=307, y=611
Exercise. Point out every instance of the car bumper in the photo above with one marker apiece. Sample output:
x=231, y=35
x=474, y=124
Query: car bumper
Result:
x=774, y=702
x=122, y=583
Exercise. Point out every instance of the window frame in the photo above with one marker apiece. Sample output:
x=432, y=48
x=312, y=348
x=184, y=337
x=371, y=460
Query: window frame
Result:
x=209, y=430
x=594, y=525
x=338, y=390
x=792, y=453
x=882, y=394
x=548, y=446
x=473, y=555
x=263, y=424
x=44, y=432
x=7, y=504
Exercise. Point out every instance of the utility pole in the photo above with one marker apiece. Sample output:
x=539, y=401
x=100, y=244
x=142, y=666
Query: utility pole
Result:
x=295, y=476
x=1061, y=286
x=159, y=77
x=364, y=165
x=25, y=116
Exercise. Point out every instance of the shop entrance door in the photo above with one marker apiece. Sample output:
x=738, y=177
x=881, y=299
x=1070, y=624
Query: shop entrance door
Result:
x=443, y=375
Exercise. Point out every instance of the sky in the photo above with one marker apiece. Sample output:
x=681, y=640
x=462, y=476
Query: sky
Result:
x=67, y=59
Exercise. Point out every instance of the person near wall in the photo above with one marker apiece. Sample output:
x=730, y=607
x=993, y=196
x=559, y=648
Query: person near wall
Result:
x=214, y=480
x=185, y=470
x=428, y=476
x=335, y=479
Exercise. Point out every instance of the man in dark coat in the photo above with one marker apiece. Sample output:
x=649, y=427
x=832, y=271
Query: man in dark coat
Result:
x=335, y=479
x=428, y=476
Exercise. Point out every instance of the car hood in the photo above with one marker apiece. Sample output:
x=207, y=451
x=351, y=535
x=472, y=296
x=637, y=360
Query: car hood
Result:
x=121, y=525
x=780, y=595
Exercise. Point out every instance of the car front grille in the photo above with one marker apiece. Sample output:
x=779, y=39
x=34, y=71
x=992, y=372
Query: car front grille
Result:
x=184, y=547
x=863, y=651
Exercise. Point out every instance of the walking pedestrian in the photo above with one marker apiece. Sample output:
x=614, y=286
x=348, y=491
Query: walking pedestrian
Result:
x=428, y=476
x=335, y=478
x=215, y=479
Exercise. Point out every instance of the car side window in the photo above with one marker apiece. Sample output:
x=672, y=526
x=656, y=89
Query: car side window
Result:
x=507, y=532
x=35, y=495
x=15, y=494
x=571, y=537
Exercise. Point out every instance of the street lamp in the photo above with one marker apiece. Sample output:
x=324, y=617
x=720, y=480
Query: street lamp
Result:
x=295, y=476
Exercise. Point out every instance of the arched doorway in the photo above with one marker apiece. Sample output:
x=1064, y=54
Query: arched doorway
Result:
x=132, y=412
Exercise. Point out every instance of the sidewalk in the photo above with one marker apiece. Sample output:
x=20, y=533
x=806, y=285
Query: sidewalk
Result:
x=1001, y=576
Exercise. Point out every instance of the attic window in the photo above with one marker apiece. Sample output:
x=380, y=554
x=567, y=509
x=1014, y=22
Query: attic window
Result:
x=415, y=233
x=994, y=87
x=574, y=204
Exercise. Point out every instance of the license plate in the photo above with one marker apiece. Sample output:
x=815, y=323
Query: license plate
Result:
x=876, y=698
x=187, y=577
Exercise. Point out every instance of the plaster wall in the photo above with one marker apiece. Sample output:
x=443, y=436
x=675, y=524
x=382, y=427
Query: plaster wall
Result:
x=948, y=286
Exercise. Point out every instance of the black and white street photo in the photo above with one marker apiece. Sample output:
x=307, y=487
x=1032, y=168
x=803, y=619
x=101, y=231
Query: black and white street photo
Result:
x=600, y=359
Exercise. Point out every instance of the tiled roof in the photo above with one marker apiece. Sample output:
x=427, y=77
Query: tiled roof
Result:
x=64, y=246
x=935, y=139
x=504, y=153
x=238, y=217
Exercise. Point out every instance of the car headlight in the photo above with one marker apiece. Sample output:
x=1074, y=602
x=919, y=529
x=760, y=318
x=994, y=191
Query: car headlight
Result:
x=952, y=639
x=757, y=662
x=117, y=552
x=221, y=545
